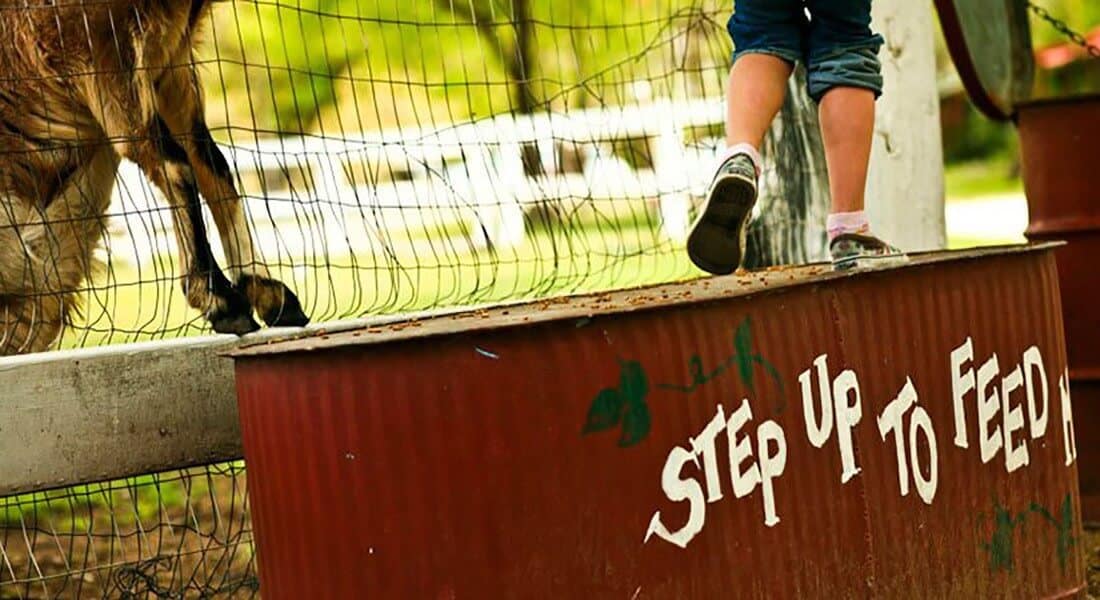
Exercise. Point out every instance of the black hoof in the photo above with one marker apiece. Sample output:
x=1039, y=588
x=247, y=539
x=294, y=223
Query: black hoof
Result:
x=236, y=314
x=235, y=324
x=277, y=305
x=290, y=314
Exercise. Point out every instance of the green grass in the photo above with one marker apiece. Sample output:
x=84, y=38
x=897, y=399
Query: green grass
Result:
x=586, y=253
x=981, y=178
x=129, y=500
x=963, y=242
x=990, y=184
x=128, y=304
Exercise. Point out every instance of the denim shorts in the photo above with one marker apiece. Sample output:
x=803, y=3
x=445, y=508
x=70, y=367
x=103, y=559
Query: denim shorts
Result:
x=833, y=38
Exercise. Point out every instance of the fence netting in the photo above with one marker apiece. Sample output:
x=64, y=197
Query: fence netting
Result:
x=398, y=156
x=180, y=534
x=392, y=156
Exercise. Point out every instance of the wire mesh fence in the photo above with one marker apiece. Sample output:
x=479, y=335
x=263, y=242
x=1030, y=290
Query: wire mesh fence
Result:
x=389, y=157
x=183, y=534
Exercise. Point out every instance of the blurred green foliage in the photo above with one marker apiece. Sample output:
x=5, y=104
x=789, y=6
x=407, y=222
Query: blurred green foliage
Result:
x=1080, y=15
x=333, y=66
x=969, y=136
x=346, y=65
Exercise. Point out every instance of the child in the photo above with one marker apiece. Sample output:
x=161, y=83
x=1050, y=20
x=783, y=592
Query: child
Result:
x=834, y=40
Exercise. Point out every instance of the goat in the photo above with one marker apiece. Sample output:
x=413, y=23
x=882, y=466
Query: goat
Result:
x=84, y=84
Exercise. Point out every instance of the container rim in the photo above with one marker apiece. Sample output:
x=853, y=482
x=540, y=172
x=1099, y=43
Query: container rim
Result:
x=586, y=306
x=1072, y=99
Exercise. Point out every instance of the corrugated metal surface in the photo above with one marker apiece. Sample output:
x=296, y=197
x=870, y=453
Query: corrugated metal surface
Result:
x=1059, y=176
x=461, y=459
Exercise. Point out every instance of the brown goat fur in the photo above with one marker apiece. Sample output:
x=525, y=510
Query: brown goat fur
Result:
x=83, y=84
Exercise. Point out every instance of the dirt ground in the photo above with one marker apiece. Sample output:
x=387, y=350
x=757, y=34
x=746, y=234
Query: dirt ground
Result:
x=1092, y=559
x=184, y=535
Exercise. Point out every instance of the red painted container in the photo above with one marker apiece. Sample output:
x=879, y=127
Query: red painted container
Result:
x=1057, y=148
x=794, y=434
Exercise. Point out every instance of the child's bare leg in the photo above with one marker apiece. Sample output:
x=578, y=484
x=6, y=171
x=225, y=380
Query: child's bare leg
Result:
x=847, y=126
x=768, y=38
x=847, y=117
x=756, y=90
x=844, y=76
x=755, y=93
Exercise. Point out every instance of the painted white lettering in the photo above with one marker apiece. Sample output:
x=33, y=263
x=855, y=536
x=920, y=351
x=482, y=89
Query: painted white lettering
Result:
x=744, y=482
x=847, y=417
x=679, y=490
x=921, y=423
x=834, y=400
x=818, y=432
x=703, y=445
x=1013, y=417
x=1033, y=363
x=746, y=474
x=989, y=403
x=891, y=421
x=771, y=465
x=962, y=382
x=1069, y=440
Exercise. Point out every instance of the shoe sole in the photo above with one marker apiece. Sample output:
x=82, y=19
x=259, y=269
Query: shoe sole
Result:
x=870, y=262
x=735, y=195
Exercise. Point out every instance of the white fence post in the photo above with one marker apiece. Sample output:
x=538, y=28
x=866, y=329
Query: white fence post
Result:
x=905, y=194
x=671, y=170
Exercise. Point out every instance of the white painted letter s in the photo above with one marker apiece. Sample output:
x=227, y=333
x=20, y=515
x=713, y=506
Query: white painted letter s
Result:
x=678, y=490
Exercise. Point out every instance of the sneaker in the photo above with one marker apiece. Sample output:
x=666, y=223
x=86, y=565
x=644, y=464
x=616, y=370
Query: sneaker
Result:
x=859, y=251
x=716, y=243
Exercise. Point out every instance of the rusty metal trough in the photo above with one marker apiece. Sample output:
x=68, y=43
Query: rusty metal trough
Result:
x=990, y=44
x=791, y=433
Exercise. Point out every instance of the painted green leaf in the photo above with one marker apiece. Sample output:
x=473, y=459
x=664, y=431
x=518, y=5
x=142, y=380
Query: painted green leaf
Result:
x=743, y=347
x=744, y=367
x=605, y=411
x=635, y=424
x=695, y=366
x=1000, y=546
x=770, y=368
x=633, y=383
x=1065, y=531
x=742, y=344
x=742, y=339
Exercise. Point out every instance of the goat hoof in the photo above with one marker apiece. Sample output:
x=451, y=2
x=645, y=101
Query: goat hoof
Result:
x=236, y=324
x=277, y=305
x=288, y=314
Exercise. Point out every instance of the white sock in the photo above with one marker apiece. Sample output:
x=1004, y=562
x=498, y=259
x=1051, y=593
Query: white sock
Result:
x=847, y=222
x=746, y=149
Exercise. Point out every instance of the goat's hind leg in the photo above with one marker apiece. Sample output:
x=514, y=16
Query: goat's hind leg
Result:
x=123, y=101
